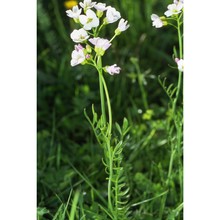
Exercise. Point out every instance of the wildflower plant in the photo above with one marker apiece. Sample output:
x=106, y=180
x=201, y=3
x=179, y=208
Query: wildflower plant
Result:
x=89, y=49
x=174, y=18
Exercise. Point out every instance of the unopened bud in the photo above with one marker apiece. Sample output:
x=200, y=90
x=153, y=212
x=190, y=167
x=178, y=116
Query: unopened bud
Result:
x=165, y=23
x=162, y=18
x=99, y=13
x=88, y=48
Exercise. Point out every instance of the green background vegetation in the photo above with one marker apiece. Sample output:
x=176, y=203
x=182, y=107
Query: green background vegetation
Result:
x=69, y=161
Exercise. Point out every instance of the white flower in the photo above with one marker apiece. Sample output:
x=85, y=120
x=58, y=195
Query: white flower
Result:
x=79, y=35
x=180, y=64
x=101, y=45
x=122, y=26
x=74, y=13
x=112, y=15
x=77, y=57
x=178, y=1
x=113, y=69
x=157, y=22
x=87, y=4
x=174, y=9
x=100, y=7
x=89, y=20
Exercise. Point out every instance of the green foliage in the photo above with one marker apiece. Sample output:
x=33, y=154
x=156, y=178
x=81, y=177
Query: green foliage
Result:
x=72, y=167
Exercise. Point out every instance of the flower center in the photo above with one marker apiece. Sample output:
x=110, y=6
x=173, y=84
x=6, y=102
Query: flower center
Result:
x=89, y=20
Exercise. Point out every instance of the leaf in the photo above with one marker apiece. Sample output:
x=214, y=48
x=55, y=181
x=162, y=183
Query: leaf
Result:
x=118, y=128
x=148, y=200
x=42, y=211
x=74, y=205
x=174, y=213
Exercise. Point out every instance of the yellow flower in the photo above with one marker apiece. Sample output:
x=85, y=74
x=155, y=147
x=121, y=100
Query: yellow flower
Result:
x=70, y=3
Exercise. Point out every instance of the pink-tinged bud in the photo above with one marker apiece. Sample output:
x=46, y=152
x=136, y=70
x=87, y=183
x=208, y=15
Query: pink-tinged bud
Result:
x=112, y=70
x=87, y=56
x=180, y=64
x=176, y=60
x=79, y=47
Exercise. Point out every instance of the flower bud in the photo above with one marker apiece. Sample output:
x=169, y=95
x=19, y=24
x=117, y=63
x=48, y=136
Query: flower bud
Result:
x=165, y=23
x=88, y=48
x=163, y=18
x=99, y=14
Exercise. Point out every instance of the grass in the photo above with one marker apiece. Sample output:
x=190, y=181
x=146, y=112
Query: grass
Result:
x=71, y=175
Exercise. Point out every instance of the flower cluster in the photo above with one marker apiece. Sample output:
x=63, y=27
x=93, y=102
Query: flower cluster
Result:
x=173, y=10
x=174, y=13
x=92, y=17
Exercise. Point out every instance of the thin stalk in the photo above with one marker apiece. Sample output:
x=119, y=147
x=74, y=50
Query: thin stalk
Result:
x=177, y=93
x=140, y=82
x=113, y=38
x=179, y=129
x=167, y=183
x=101, y=27
x=180, y=38
x=179, y=139
x=170, y=167
x=110, y=177
x=173, y=149
x=108, y=104
x=180, y=73
x=102, y=97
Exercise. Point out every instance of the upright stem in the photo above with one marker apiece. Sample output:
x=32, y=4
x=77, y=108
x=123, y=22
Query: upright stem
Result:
x=108, y=104
x=180, y=38
x=179, y=127
x=102, y=97
x=104, y=91
x=140, y=82
x=180, y=73
x=177, y=147
x=110, y=176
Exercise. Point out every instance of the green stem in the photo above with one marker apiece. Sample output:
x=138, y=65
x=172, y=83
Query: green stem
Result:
x=99, y=68
x=179, y=127
x=103, y=24
x=113, y=38
x=167, y=183
x=173, y=149
x=108, y=104
x=104, y=91
x=180, y=73
x=170, y=167
x=180, y=38
x=140, y=82
x=110, y=177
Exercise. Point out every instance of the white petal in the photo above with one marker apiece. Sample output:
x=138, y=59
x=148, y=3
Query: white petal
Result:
x=95, y=22
x=87, y=26
x=90, y=13
x=83, y=19
x=154, y=17
x=69, y=13
x=179, y=6
x=81, y=4
x=168, y=13
x=94, y=40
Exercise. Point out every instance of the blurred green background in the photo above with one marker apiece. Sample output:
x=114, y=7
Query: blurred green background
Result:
x=65, y=140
